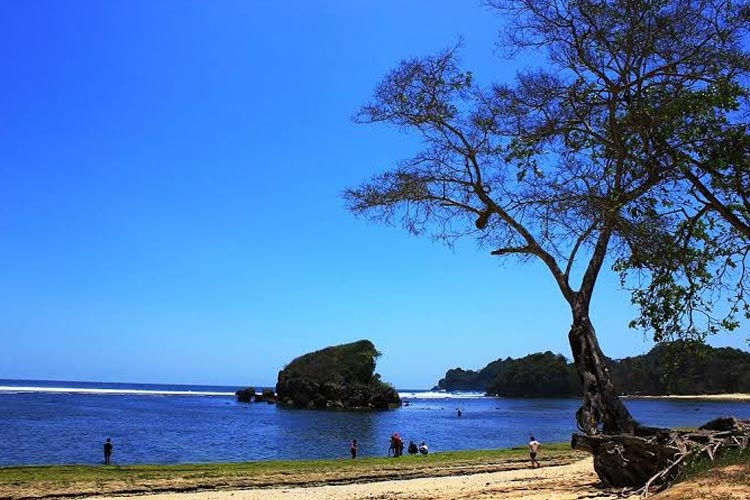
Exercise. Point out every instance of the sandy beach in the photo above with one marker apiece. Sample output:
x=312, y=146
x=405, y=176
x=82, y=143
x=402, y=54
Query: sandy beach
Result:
x=705, y=397
x=560, y=480
x=565, y=482
x=576, y=481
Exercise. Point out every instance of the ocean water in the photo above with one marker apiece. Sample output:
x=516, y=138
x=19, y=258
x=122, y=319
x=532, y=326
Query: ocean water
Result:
x=48, y=422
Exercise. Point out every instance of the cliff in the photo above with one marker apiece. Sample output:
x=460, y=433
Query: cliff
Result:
x=336, y=377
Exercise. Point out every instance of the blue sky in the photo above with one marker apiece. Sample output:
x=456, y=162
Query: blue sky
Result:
x=170, y=198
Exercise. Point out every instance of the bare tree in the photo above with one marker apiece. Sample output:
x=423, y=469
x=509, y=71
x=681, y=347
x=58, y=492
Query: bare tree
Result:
x=684, y=68
x=563, y=164
x=562, y=206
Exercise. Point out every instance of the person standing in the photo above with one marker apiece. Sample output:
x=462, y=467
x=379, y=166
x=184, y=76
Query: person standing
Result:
x=534, y=446
x=397, y=445
x=107, y=451
x=353, y=448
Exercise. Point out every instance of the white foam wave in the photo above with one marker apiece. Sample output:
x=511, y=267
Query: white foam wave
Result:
x=87, y=390
x=152, y=392
x=440, y=395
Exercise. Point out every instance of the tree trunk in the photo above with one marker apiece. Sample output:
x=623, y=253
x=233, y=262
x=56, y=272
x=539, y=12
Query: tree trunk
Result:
x=625, y=460
x=653, y=462
x=602, y=410
x=621, y=457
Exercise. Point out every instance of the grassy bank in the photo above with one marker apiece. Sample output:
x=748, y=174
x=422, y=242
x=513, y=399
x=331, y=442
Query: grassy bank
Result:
x=726, y=478
x=705, y=468
x=76, y=480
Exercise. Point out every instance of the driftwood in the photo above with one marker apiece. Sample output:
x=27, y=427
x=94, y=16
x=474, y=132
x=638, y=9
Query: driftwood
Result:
x=649, y=463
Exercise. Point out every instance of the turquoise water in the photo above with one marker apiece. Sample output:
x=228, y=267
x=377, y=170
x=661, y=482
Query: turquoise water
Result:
x=51, y=423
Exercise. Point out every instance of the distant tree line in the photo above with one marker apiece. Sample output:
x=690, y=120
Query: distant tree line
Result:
x=681, y=367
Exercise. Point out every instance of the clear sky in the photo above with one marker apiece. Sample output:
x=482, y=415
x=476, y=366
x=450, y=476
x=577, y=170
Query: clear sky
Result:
x=170, y=198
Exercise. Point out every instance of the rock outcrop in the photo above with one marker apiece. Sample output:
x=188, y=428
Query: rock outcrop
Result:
x=249, y=395
x=245, y=395
x=336, y=377
x=267, y=395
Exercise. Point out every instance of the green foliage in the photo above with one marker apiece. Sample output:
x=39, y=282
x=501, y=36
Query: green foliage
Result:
x=339, y=376
x=689, y=276
x=684, y=367
x=536, y=375
x=680, y=367
x=703, y=467
x=458, y=379
x=354, y=362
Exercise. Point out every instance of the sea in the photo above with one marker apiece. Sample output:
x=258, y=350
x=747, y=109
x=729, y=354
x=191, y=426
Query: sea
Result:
x=54, y=422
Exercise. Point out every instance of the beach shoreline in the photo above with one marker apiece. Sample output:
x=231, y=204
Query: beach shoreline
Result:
x=560, y=482
x=697, y=397
x=493, y=475
x=420, y=475
x=573, y=481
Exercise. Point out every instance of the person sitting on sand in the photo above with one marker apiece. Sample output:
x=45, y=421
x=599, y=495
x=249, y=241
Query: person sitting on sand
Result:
x=423, y=448
x=353, y=448
x=534, y=446
x=107, y=451
x=412, y=448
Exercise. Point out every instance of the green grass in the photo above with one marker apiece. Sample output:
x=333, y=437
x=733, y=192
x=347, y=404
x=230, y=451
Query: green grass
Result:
x=60, y=477
x=705, y=467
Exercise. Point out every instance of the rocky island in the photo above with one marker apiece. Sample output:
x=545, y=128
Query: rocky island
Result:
x=340, y=376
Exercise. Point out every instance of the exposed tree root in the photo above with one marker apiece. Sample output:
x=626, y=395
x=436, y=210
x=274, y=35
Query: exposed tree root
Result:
x=650, y=463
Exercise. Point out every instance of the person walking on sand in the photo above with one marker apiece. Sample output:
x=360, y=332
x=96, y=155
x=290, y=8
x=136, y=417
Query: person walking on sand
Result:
x=353, y=448
x=534, y=446
x=107, y=451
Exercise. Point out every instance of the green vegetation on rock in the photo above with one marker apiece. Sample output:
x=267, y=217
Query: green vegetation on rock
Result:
x=684, y=368
x=340, y=376
x=680, y=367
x=536, y=375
